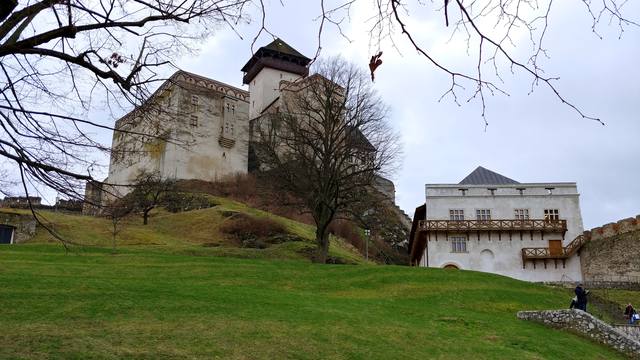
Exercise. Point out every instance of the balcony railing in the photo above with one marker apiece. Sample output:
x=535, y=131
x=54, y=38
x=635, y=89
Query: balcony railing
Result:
x=226, y=142
x=494, y=225
x=546, y=253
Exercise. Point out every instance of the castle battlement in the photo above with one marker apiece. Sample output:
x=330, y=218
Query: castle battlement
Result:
x=612, y=229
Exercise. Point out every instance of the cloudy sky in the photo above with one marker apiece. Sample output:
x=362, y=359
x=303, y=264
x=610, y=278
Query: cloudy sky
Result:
x=531, y=137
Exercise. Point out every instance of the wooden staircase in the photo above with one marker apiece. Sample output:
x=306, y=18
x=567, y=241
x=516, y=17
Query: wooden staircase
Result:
x=545, y=253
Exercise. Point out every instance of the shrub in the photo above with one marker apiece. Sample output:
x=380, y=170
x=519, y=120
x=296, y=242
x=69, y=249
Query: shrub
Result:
x=178, y=201
x=348, y=231
x=254, y=232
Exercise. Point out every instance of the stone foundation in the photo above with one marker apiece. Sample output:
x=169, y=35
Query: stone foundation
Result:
x=585, y=324
x=631, y=330
x=24, y=225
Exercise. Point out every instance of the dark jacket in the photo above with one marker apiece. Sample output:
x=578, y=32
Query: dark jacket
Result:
x=629, y=310
x=581, y=294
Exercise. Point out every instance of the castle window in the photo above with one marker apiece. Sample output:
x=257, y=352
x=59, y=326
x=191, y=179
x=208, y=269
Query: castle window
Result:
x=551, y=214
x=228, y=129
x=193, y=120
x=458, y=244
x=194, y=102
x=483, y=214
x=521, y=214
x=456, y=214
x=233, y=109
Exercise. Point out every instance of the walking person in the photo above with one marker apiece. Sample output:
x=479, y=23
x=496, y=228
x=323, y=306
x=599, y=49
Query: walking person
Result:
x=630, y=313
x=581, y=295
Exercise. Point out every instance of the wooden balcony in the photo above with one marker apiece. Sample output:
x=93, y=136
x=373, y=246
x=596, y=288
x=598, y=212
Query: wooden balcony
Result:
x=226, y=142
x=558, y=226
x=545, y=253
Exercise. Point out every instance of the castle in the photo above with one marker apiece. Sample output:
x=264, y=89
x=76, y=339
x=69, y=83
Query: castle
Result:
x=194, y=127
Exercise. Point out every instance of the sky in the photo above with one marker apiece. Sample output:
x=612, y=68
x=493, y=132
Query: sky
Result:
x=530, y=137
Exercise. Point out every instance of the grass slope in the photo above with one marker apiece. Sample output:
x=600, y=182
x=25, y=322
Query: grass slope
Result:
x=193, y=232
x=141, y=304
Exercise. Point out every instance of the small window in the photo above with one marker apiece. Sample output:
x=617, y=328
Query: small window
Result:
x=193, y=121
x=233, y=109
x=549, y=190
x=483, y=214
x=195, y=101
x=456, y=214
x=521, y=214
x=458, y=244
x=521, y=191
x=463, y=192
x=551, y=214
x=492, y=191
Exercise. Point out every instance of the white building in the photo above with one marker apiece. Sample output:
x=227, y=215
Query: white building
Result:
x=490, y=223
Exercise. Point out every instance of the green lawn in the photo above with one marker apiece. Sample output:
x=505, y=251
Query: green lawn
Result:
x=194, y=233
x=144, y=303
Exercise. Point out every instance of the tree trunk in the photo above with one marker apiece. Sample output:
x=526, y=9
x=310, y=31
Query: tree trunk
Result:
x=145, y=216
x=115, y=228
x=322, y=240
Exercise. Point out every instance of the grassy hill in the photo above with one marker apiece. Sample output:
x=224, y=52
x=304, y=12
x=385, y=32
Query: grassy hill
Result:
x=196, y=232
x=150, y=304
x=181, y=287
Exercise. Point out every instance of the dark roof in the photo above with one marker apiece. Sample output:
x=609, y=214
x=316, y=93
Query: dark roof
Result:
x=358, y=139
x=482, y=176
x=415, y=252
x=277, y=49
x=283, y=48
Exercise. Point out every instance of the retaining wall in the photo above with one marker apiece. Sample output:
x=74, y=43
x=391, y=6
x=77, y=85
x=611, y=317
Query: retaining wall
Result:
x=25, y=225
x=631, y=330
x=585, y=324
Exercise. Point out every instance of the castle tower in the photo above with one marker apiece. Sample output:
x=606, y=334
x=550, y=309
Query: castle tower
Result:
x=267, y=67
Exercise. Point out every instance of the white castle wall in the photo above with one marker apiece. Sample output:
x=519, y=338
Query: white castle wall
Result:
x=189, y=152
x=265, y=88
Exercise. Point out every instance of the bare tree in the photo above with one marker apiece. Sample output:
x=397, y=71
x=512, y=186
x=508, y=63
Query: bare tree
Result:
x=325, y=142
x=496, y=32
x=149, y=190
x=116, y=211
x=59, y=59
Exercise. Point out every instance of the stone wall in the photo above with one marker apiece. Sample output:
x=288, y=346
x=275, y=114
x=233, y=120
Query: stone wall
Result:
x=25, y=225
x=585, y=324
x=631, y=330
x=610, y=253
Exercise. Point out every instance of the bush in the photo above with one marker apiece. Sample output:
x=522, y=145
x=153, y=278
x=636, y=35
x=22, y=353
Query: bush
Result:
x=176, y=201
x=348, y=231
x=254, y=232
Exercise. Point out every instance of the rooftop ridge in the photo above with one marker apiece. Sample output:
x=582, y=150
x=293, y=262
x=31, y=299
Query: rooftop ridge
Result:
x=482, y=176
x=208, y=80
